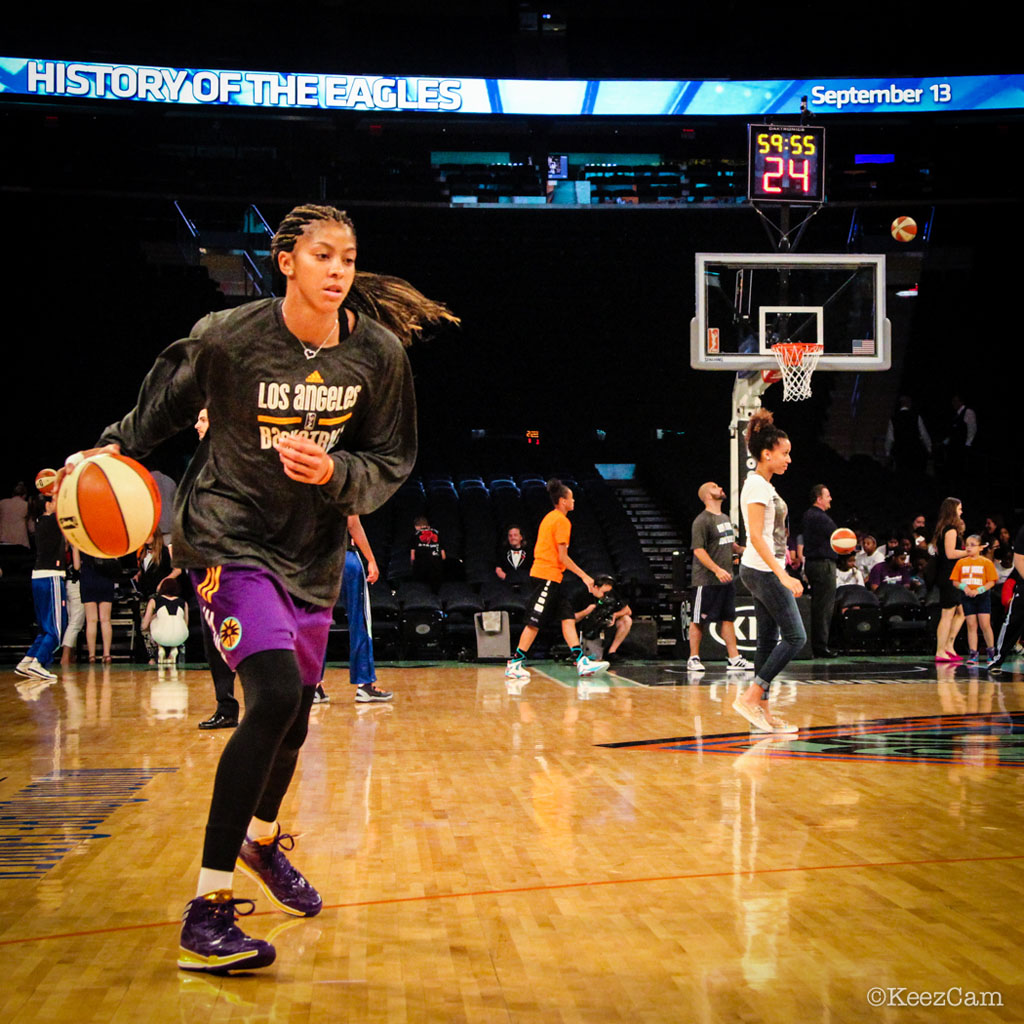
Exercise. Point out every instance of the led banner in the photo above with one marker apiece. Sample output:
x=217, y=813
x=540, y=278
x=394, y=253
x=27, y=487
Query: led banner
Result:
x=53, y=79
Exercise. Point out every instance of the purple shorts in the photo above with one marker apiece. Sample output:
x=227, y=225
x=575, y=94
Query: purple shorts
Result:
x=248, y=610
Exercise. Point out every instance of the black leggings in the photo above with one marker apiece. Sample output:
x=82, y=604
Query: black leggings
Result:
x=259, y=760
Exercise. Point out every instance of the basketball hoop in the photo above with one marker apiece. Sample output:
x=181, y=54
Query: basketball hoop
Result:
x=797, y=361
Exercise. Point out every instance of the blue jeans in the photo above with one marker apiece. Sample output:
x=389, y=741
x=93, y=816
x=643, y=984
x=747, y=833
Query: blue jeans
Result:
x=361, y=670
x=780, y=629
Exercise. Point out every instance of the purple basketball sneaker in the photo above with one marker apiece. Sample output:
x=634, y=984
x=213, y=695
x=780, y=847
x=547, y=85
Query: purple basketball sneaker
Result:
x=283, y=885
x=212, y=942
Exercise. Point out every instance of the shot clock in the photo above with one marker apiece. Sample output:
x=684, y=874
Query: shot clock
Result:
x=786, y=164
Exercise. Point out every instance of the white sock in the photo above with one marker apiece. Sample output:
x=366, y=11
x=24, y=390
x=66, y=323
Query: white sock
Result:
x=258, y=829
x=212, y=881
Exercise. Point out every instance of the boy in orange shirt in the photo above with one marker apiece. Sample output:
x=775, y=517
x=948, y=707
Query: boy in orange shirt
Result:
x=976, y=576
x=550, y=560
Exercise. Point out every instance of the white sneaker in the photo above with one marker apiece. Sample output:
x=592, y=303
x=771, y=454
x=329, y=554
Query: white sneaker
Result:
x=739, y=664
x=754, y=715
x=759, y=720
x=586, y=667
x=514, y=669
x=694, y=664
x=22, y=667
x=37, y=671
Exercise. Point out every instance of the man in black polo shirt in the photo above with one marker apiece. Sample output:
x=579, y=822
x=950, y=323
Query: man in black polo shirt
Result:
x=819, y=561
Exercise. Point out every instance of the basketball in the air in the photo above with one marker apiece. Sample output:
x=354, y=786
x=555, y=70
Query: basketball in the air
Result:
x=844, y=540
x=45, y=479
x=108, y=505
x=904, y=229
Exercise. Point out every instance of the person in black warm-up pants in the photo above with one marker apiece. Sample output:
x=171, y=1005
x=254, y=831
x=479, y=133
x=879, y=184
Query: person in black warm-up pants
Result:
x=819, y=562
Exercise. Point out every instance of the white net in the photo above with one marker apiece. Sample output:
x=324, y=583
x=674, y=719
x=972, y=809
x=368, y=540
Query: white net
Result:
x=797, y=361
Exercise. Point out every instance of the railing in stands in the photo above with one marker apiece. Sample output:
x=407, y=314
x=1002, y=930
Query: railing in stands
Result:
x=188, y=236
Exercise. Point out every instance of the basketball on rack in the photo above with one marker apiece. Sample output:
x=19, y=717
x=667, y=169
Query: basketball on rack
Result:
x=843, y=540
x=108, y=505
x=904, y=229
x=45, y=479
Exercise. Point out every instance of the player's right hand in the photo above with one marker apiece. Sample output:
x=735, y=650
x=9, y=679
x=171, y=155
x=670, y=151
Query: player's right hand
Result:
x=304, y=460
x=73, y=460
x=724, y=576
x=792, y=584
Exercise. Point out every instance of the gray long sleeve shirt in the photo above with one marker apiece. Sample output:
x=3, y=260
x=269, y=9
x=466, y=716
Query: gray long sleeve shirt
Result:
x=235, y=505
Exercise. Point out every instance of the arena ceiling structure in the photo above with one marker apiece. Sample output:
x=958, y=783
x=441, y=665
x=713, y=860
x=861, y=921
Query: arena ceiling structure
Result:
x=122, y=153
x=508, y=38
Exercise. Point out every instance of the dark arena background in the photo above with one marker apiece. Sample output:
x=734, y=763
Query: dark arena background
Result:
x=618, y=847
x=98, y=275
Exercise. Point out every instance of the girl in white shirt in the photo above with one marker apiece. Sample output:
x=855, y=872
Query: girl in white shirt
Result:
x=780, y=628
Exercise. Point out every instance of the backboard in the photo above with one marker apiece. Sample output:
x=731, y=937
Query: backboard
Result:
x=748, y=302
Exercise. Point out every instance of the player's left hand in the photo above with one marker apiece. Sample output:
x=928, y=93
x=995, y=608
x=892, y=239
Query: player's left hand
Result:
x=372, y=572
x=304, y=460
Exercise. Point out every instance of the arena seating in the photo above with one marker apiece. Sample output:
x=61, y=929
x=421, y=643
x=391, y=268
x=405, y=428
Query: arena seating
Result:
x=471, y=512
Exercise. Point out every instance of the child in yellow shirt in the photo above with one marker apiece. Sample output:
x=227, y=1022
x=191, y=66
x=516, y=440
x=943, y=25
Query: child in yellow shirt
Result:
x=976, y=576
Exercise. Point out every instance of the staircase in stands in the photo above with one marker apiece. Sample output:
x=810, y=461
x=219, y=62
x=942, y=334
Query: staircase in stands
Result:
x=660, y=538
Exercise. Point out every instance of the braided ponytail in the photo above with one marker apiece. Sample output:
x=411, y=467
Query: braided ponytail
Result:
x=391, y=301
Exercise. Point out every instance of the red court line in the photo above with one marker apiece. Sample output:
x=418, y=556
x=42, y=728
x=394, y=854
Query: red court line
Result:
x=551, y=888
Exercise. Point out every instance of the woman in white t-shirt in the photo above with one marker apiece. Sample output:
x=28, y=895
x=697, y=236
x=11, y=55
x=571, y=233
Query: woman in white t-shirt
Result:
x=780, y=628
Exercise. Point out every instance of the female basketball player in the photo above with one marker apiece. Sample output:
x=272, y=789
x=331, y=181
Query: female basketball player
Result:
x=548, y=603
x=315, y=420
x=948, y=541
x=780, y=629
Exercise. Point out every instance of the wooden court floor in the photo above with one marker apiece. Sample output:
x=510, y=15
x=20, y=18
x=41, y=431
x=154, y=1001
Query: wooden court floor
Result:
x=622, y=851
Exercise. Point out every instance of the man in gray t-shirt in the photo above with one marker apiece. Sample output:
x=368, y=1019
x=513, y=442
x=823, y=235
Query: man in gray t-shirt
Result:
x=713, y=542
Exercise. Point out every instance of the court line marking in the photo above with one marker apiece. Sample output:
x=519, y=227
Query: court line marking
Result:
x=573, y=684
x=610, y=676
x=555, y=887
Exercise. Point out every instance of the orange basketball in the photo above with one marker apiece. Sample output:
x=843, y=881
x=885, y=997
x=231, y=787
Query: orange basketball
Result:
x=45, y=479
x=108, y=506
x=904, y=229
x=844, y=540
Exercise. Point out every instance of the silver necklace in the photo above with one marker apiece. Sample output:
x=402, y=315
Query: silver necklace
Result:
x=307, y=351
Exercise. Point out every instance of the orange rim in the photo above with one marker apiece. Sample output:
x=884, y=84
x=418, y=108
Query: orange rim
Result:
x=792, y=352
